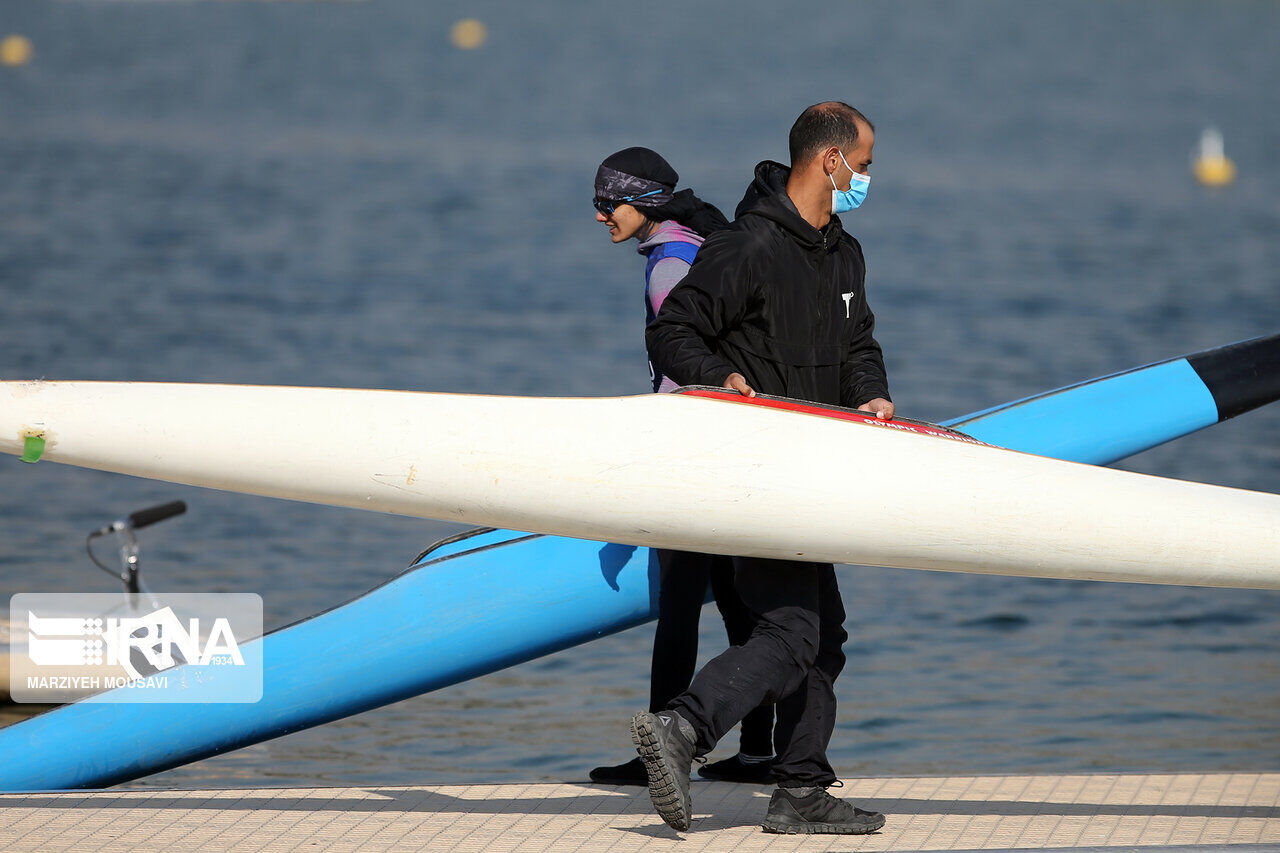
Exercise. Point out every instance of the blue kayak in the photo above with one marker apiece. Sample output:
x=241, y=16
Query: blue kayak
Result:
x=488, y=599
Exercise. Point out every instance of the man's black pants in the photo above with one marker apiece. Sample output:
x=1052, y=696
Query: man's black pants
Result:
x=682, y=590
x=792, y=658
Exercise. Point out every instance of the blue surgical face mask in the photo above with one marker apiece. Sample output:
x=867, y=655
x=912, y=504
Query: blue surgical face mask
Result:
x=842, y=201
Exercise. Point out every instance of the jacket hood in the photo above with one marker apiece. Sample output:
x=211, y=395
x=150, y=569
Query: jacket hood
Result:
x=767, y=197
x=690, y=211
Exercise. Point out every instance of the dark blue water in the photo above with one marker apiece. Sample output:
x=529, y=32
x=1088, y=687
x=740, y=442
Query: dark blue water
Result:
x=332, y=194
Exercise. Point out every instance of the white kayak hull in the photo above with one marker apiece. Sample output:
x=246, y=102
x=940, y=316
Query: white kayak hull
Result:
x=673, y=471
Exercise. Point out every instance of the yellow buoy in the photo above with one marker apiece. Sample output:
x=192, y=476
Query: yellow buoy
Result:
x=1210, y=164
x=468, y=34
x=15, y=51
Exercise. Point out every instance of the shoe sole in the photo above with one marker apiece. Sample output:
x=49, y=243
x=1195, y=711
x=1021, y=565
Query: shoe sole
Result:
x=673, y=806
x=807, y=828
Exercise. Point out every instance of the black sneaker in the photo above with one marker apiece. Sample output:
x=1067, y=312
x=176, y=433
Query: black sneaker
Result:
x=631, y=773
x=818, y=812
x=667, y=753
x=736, y=770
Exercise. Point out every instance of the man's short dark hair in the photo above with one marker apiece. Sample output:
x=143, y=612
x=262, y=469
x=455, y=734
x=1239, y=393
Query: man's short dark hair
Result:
x=822, y=126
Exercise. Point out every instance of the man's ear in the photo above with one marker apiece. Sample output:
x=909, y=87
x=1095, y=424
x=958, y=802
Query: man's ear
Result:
x=831, y=160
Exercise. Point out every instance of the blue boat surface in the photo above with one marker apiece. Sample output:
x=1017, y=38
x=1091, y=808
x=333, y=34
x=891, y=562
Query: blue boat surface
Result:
x=1110, y=418
x=449, y=626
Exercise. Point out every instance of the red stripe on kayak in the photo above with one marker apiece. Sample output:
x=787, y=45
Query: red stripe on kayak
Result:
x=840, y=414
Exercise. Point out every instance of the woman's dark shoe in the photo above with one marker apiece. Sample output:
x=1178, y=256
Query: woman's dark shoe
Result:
x=736, y=770
x=631, y=773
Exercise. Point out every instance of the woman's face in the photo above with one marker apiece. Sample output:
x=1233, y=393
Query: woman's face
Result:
x=624, y=223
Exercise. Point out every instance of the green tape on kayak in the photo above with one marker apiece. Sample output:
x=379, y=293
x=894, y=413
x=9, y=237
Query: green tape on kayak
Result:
x=33, y=448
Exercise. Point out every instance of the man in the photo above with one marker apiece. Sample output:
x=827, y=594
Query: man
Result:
x=775, y=304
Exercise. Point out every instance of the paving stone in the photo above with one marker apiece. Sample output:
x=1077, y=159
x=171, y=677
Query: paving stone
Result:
x=1236, y=812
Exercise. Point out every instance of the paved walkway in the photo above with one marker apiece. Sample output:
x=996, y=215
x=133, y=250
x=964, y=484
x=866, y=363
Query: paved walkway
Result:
x=1235, y=812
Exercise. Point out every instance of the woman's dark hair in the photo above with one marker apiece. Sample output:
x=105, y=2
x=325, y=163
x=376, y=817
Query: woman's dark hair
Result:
x=690, y=211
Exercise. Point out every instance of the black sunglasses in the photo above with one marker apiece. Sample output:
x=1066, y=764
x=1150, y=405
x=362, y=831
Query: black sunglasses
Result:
x=608, y=205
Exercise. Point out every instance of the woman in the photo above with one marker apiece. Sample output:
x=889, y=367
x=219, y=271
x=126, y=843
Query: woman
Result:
x=635, y=198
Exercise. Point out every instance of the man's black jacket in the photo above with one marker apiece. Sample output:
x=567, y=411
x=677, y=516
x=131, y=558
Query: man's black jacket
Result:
x=777, y=300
